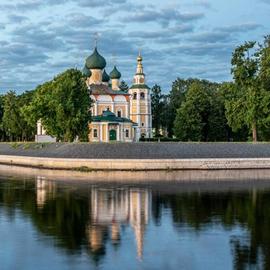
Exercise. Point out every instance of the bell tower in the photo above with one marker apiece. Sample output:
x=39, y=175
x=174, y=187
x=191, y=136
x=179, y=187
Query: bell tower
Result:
x=140, y=102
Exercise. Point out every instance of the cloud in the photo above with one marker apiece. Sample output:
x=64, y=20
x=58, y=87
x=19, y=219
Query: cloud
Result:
x=245, y=27
x=27, y=5
x=81, y=20
x=17, y=54
x=99, y=3
x=164, y=16
x=39, y=39
x=224, y=33
x=211, y=37
x=162, y=34
x=266, y=1
x=14, y=18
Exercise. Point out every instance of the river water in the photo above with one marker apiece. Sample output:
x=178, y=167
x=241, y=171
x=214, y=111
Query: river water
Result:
x=47, y=224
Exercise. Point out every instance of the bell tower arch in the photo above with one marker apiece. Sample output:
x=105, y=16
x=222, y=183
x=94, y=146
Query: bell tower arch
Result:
x=140, y=102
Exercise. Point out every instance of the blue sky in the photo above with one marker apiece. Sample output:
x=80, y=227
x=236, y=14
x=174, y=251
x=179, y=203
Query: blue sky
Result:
x=41, y=38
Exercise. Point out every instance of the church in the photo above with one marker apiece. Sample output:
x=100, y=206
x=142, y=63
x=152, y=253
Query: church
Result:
x=117, y=114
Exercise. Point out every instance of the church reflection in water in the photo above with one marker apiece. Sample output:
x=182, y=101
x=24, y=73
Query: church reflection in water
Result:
x=116, y=207
x=102, y=221
x=110, y=209
x=45, y=190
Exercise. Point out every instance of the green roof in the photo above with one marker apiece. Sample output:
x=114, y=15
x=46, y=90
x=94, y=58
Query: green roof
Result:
x=86, y=72
x=115, y=74
x=108, y=116
x=96, y=61
x=139, y=86
x=102, y=89
x=139, y=74
x=105, y=76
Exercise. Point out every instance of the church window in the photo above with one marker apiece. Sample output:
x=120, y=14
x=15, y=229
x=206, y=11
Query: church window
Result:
x=142, y=95
x=127, y=133
x=135, y=96
x=119, y=113
x=95, y=133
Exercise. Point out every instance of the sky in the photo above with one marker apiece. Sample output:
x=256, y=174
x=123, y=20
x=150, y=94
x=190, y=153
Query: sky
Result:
x=178, y=38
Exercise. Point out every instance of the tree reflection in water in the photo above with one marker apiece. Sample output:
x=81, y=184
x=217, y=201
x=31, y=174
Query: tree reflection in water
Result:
x=90, y=216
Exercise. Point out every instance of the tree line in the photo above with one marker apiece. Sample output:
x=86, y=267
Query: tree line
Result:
x=200, y=110
x=62, y=104
x=194, y=109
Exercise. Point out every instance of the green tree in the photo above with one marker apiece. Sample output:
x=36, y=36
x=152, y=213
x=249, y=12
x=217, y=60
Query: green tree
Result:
x=28, y=130
x=264, y=79
x=15, y=124
x=242, y=133
x=166, y=115
x=249, y=102
x=176, y=97
x=3, y=136
x=156, y=105
x=180, y=88
x=188, y=124
x=201, y=116
x=63, y=106
x=123, y=86
x=11, y=116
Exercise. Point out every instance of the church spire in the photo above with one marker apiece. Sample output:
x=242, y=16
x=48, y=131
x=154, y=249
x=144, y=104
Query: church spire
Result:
x=139, y=64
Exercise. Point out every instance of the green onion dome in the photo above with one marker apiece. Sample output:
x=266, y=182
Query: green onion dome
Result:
x=105, y=76
x=115, y=74
x=95, y=61
x=86, y=72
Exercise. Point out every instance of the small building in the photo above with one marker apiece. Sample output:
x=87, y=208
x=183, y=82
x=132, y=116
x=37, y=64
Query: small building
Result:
x=42, y=135
x=108, y=127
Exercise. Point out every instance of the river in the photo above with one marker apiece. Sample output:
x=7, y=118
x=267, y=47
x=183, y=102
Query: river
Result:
x=58, y=224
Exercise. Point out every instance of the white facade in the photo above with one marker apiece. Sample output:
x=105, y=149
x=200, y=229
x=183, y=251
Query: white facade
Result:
x=140, y=108
x=41, y=135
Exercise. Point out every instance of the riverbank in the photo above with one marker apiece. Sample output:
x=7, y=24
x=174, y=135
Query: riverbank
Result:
x=137, y=150
x=167, y=180
x=137, y=156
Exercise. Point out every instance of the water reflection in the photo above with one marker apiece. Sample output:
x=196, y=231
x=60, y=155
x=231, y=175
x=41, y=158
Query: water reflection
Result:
x=105, y=221
x=45, y=190
x=116, y=207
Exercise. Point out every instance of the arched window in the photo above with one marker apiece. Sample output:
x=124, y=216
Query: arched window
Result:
x=135, y=95
x=127, y=133
x=119, y=113
x=142, y=95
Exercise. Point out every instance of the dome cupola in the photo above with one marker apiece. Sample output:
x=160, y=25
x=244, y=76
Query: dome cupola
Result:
x=105, y=77
x=86, y=72
x=95, y=61
x=115, y=74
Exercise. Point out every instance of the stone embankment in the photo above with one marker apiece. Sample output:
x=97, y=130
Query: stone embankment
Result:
x=137, y=156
